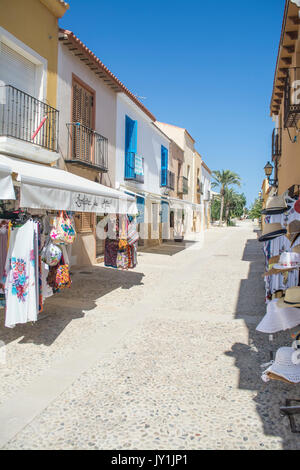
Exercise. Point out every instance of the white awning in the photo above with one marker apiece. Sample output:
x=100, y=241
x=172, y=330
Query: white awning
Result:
x=6, y=184
x=43, y=187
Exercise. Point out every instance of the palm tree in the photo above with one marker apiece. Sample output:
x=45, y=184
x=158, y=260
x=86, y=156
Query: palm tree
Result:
x=222, y=180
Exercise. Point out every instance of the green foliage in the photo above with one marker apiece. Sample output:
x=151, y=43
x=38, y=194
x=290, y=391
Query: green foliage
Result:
x=225, y=178
x=234, y=206
x=255, y=210
x=222, y=180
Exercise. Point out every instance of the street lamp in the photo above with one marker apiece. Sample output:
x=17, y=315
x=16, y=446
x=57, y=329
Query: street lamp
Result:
x=268, y=172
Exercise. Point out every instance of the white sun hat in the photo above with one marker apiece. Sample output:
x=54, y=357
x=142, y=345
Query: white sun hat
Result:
x=288, y=260
x=283, y=366
x=278, y=319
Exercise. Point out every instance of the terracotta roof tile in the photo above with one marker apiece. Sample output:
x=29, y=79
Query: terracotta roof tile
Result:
x=71, y=37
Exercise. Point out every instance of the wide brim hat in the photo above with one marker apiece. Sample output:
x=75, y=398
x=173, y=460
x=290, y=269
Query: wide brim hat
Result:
x=284, y=367
x=275, y=205
x=291, y=299
x=271, y=231
x=275, y=211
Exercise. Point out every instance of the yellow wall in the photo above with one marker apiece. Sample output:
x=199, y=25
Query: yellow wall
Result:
x=289, y=163
x=35, y=25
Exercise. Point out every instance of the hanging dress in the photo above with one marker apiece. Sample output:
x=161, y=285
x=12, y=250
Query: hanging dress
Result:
x=21, y=283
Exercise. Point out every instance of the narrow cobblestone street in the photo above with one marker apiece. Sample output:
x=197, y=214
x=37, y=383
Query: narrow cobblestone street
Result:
x=164, y=357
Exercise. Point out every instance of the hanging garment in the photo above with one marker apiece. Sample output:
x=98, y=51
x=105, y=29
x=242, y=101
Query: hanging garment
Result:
x=111, y=253
x=47, y=291
x=3, y=246
x=21, y=282
x=122, y=259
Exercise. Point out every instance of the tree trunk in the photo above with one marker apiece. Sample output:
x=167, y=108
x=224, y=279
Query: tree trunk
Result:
x=221, y=211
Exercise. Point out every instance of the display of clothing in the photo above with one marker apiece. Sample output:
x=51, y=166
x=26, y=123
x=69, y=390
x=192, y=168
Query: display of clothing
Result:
x=121, y=243
x=21, y=282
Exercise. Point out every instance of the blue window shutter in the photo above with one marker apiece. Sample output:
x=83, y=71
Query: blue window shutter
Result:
x=164, y=166
x=130, y=146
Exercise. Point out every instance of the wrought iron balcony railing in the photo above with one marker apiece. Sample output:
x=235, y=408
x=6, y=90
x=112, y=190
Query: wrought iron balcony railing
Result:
x=134, y=167
x=87, y=147
x=292, y=97
x=276, y=143
x=199, y=186
x=167, y=179
x=183, y=185
x=25, y=118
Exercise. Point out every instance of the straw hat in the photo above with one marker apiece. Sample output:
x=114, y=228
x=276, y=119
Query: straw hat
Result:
x=291, y=299
x=284, y=367
x=275, y=205
x=271, y=231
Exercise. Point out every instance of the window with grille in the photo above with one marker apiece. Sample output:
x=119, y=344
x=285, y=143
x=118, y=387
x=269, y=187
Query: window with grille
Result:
x=82, y=114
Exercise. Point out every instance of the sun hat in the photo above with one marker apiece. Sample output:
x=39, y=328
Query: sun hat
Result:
x=288, y=260
x=283, y=366
x=271, y=231
x=278, y=319
x=275, y=205
x=291, y=299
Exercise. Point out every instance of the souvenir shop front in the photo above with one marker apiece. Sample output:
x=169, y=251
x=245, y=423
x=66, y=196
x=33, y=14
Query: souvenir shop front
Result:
x=281, y=245
x=37, y=230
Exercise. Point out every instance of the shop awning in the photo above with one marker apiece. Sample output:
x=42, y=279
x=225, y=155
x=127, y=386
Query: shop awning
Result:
x=6, y=184
x=43, y=187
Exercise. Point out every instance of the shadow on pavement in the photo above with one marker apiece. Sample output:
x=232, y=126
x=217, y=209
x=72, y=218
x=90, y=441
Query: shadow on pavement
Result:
x=249, y=357
x=170, y=247
x=88, y=286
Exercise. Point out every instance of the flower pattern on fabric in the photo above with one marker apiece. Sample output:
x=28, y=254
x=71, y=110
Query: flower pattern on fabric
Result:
x=32, y=257
x=19, y=279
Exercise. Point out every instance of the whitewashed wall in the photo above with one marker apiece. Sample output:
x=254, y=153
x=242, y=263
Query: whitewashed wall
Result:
x=149, y=142
x=105, y=101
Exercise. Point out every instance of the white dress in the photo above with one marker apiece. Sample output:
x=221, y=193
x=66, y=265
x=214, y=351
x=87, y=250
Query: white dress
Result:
x=21, y=276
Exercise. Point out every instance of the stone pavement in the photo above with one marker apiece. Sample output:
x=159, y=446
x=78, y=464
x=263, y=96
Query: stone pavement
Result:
x=162, y=357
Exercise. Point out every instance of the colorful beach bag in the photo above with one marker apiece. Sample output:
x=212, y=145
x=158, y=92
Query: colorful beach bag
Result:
x=63, y=230
x=51, y=254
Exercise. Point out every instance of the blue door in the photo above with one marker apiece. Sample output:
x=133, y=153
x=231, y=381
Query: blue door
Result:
x=130, y=147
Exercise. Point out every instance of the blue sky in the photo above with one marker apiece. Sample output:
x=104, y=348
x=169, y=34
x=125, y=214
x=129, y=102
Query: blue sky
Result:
x=207, y=66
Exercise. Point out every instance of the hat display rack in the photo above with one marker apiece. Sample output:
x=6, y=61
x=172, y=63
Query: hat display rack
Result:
x=280, y=238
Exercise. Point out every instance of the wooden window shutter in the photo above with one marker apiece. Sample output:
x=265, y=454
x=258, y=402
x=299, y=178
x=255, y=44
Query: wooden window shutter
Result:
x=85, y=222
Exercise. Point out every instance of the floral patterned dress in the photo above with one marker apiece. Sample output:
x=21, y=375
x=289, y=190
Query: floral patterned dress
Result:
x=21, y=282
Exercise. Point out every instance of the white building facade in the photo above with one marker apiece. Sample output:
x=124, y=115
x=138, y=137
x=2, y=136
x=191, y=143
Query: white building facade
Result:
x=142, y=151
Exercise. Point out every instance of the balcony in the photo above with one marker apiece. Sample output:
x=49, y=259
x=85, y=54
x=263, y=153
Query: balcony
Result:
x=292, y=98
x=28, y=127
x=167, y=179
x=199, y=186
x=134, y=167
x=87, y=147
x=183, y=185
x=276, y=143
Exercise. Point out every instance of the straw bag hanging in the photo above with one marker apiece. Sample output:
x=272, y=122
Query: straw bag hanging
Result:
x=63, y=231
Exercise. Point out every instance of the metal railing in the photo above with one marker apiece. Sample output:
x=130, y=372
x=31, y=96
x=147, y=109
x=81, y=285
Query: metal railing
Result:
x=134, y=167
x=25, y=118
x=87, y=147
x=292, y=97
x=183, y=185
x=199, y=186
x=276, y=143
x=167, y=179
